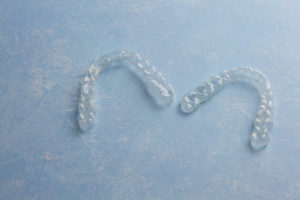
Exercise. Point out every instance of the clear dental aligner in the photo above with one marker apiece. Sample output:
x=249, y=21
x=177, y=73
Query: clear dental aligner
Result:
x=263, y=121
x=157, y=86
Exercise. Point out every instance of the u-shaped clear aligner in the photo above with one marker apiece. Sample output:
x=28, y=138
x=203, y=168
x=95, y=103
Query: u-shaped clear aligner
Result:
x=157, y=86
x=263, y=121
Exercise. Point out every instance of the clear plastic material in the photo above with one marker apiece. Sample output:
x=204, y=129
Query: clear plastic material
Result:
x=263, y=121
x=157, y=86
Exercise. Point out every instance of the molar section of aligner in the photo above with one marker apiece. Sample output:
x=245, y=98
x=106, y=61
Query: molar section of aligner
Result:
x=190, y=102
x=263, y=123
x=157, y=86
x=259, y=141
x=206, y=91
x=162, y=94
x=86, y=107
x=86, y=116
x=260, y=133
x=217, y=82
x=266, y=104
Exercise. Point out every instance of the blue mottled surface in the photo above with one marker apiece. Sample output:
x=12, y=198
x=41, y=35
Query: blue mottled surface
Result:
x=138, y=151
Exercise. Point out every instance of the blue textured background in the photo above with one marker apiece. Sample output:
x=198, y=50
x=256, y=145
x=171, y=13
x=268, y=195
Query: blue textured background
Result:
x=138, y=151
